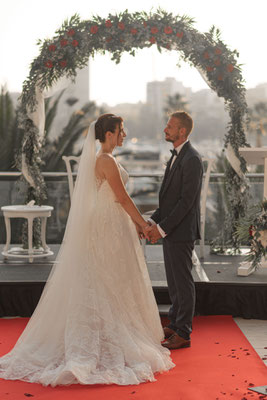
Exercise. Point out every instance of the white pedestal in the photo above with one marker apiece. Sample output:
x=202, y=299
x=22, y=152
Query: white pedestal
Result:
x=29, y=213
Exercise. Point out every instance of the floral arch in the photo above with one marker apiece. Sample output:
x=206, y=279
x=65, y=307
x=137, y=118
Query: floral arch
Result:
x=77, y=40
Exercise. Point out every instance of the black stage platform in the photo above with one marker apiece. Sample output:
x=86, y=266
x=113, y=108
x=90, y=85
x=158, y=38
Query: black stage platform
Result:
x=220, y=291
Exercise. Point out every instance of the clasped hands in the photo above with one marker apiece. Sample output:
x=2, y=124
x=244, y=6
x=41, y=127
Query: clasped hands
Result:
x=149, y=232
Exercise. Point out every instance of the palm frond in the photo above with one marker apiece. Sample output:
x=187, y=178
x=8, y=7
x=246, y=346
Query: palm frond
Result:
x=51, y=112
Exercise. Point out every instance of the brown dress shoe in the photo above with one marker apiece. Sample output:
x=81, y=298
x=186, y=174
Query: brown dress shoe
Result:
x=168, y=332
x=176, y=342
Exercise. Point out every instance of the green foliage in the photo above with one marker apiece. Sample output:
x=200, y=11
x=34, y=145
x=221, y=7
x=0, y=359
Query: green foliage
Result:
x=250, y=230
x=257, y=122
x=6, y=112
x=10, y=134
x=51, y=112
x=222, y=207
x=64, y=144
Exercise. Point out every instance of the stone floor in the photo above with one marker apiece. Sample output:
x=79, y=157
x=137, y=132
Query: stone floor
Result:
x=255, y=331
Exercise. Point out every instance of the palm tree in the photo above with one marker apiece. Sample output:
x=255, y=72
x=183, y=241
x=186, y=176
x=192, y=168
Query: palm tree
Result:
x=258, y=125
x=173, y=103
x=258, y=121
x=222, y=208
x=66, y=142
x=10, y=134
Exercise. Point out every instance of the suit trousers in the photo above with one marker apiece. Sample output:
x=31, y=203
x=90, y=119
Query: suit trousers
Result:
x=181, y=287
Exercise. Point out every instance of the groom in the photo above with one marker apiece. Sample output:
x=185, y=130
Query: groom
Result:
x=177, y=220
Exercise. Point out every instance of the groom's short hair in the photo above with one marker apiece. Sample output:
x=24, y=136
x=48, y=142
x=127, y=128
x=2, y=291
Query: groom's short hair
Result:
x=185, y=119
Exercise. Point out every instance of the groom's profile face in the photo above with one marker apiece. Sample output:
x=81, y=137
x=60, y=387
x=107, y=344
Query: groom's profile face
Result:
x=174, y=132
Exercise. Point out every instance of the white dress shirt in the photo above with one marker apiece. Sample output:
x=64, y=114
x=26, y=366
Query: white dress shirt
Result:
x=178, y=149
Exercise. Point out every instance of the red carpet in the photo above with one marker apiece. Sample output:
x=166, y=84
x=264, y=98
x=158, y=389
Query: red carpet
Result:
x=221, y=364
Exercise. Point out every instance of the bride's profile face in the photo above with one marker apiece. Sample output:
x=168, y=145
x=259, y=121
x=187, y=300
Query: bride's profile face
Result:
x=120, y=135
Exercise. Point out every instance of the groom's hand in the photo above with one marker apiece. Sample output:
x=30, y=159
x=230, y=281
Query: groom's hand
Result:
x=153, y=233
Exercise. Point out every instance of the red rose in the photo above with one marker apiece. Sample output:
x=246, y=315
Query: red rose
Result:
x=94, y=29
x=180, y=34
x=206, y=55
x=209, y=69
x=220, y=77
x=218, y=51
x=71, y=32
x=230, y=68
x=121, y=26
x=63, y=42
x=168, y=30
x=217, y=61
x=152, y=39
x=108, y=39
x=63, y=63
x=52, y=47
x=108, y=23
x=154, y=30
x=133, y=31
x=75, y=43
x=49, y=64
x=251, y=231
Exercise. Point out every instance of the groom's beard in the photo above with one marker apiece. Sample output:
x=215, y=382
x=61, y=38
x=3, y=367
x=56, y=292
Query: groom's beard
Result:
x=172, y=139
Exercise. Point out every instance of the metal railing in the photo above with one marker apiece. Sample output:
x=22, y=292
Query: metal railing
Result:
x=142, y=186
x=133, y=174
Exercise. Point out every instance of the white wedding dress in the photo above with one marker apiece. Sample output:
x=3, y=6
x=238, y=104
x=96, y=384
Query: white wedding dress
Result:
x=97, y=321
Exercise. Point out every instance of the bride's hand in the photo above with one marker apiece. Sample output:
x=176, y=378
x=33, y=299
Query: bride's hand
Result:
x=145, y=229
x=139, y=231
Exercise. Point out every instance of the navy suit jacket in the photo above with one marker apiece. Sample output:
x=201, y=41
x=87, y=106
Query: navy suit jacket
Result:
x=178, y=213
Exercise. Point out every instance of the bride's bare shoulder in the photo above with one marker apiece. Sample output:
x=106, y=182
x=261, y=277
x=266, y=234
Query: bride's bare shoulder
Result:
x=104, y=156
x=105, y=159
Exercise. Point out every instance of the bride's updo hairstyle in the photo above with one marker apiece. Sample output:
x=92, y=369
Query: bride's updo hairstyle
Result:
x=105, y=123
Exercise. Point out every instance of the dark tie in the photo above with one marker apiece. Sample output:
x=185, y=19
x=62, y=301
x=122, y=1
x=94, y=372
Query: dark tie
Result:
x=174, y=153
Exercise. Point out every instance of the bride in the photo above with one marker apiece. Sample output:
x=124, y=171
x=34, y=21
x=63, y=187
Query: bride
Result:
x=97, y=321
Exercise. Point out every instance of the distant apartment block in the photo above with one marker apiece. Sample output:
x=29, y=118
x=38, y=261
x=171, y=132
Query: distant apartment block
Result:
x=257, y=94
x=158, y=92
